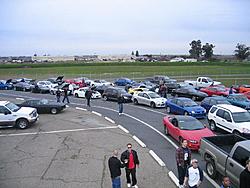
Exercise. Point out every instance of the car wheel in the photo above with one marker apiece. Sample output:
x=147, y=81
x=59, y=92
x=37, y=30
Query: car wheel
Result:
x=211, y=169
x=76, y=95
x=212, y=125
x=186, y=113
x=24, y=89
x=136, y=101
x=176, y=95
x=53, y=110
x=166, y=130
x=51, y=92
x=152, y=105
x=168, y=109
x=15, y=88
x=6, y=88
x=105, y=97
x=22, y=123
x=193, y=98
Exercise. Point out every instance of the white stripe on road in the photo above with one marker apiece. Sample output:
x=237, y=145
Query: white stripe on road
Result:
x=60, y=131
x=122, y=128
x=22, y=99
x=96, y=113
x=158, y=159
x=211, y=180
x=139, y=141
x=173, y=178
x=83, y=109
x=110, y=120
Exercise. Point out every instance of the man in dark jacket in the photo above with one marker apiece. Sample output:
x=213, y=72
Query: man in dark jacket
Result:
x=65, y=90
x=58, y=95
x=88, y=95
x=131, y=156
x=115, y=166
x=120, y=102
x=183, y=158
x=245, y=176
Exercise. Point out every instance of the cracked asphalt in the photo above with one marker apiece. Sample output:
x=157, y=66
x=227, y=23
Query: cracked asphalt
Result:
x=70, y=159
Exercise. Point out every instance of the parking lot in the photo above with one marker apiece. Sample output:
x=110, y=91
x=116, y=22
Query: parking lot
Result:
x=70, y=149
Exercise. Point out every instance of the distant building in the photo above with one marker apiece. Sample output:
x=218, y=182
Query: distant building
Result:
x=122, y=58
x=86, y=58
x=52, y=58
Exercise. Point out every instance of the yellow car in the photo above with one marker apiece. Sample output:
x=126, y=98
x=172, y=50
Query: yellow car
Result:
x=136, y=90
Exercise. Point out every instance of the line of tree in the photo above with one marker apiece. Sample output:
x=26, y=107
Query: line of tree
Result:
x=198, y=50
x=136, y=53
x=242, y=51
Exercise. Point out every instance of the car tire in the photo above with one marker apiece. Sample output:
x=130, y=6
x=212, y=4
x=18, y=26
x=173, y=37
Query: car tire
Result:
x=14, y=88
x=76, y=95
x=176, y=95
x=166, y=130
x=168, y=109
x=6, y=88
x=212, y=125
x=105, y=98
x=186, y=113
x=52, y=92
x=136, y=101
x=22, y=123
x=24, y=89
x=53, y=110
x=152, y=105
x=211, y=169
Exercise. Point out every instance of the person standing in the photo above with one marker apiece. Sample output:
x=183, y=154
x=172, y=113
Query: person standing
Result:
x=115, y=166
x=88, y=95
x=120, y=101
x=226, y=183
x=231, y=90
x=245, y=176
x=194, y=175
x=131, y=156
x=183, y=158
x=65, y=91
x=58, y=95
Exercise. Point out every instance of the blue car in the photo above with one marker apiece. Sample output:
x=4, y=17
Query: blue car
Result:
x=123, y=82
x=6, y=84
x=208, y=102
x=239, y=100
x=185, y=106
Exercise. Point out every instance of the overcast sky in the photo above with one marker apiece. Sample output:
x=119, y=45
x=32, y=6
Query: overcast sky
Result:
x=76, y=27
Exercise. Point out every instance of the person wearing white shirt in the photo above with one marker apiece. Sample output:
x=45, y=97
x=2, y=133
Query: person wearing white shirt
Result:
x=194, y=175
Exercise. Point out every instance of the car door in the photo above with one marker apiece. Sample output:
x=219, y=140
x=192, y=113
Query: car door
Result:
x=180, y=107
x=219, y=119
x=6, y=117
x=114, y=94
x=139, y=98
x=81, y=93
x=172, y=105
x=227, y=121
x=175, y=131
x=146, y=99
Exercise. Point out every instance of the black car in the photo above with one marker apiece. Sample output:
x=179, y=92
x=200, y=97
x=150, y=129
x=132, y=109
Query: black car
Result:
x=112, y=93
x=189, y=92
x=100, y=89
x=158, y=79
x=23, y=86
x=171, y=84
x=58, y=80
x=44, y=105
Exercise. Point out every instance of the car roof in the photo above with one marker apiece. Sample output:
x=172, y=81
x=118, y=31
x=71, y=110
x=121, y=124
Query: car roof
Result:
x=245, y=144
x=2, y=103
x=217, y=98
x=183, y=99
x=236, y=94
x=231, y=108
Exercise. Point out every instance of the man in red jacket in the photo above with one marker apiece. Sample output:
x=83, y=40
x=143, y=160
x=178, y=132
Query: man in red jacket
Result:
x=131, y=156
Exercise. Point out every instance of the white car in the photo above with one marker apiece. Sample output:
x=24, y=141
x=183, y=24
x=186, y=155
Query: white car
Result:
x=81, y=93
x=13, y=115
x=45, y=84
x=149, y=98
x=101, y=82
x=230, y=118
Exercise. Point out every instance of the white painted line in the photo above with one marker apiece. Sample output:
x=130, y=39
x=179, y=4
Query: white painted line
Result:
x=139, y=141
x=211, y=180
x=60, y=131
x=110, y=120
x=96, y=113
x=122, y=128
x=22, y=99
x=173, y=178
x=83, y=109
x=158, y=159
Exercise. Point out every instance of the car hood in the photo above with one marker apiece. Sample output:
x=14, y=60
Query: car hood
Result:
x=25, y=110
x=196, y=134
x=244, y=125
x=199, y=93
x=159, y=100
x=216, y=83
x=194, y=108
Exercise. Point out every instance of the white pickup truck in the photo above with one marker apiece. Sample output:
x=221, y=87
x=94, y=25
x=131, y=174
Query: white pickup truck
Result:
x=11, y=115
x=202, y=82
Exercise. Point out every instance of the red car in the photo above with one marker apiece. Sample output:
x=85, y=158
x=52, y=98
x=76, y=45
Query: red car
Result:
x=247, y=94
x=77, y=82
x=215, y=91
x=186, y=127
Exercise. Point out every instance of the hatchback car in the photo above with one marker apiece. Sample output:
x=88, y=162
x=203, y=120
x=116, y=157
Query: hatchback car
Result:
x=112, y=93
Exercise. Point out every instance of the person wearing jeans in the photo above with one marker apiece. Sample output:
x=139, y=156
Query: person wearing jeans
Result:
x=120, y=102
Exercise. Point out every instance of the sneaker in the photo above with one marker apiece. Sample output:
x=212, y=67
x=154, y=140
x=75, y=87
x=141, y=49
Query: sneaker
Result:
x=119, y=115
x=129, y=185
x=135, y=186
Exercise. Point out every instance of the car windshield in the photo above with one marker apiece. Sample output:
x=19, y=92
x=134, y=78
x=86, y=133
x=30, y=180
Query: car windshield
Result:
x=241, y=98
x=209, y=80
x=153, y=95
x=189, y=103
x=12, y=107
x=240, y=117
x=190, y=124
x=44, y=101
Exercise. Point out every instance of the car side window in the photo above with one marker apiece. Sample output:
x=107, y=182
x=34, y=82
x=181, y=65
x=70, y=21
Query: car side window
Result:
x=145, y=96
x=227, y=116
x=174, y=101
x=140, y=94
x=3, y=110
x=241, y=155
x=213, y=109
x=213, y=102
x=115, y=92
x=220, y=113
x=179, y=103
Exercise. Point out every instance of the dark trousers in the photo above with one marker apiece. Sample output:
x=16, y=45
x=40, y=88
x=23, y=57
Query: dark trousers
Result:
x=181, y=174
x=88, y=101
x=120, y=107
x=65, y=97
x=133, y=174
x=58, y=98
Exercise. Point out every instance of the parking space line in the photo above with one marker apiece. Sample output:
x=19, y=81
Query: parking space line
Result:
x=60, y=131
x=211, y=180
x=173, y=178
x=110, y=120
x=122, y=128
x=158, y=159
x=139, y=141
x=83, y=109
x=96, y=113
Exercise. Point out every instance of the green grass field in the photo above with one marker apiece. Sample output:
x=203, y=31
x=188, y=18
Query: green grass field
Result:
x=229, y=73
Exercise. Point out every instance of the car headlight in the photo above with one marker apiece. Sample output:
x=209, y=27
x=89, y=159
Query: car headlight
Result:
x=193, y=141
x=192, y=112
x=245, y=130
x=125, y=97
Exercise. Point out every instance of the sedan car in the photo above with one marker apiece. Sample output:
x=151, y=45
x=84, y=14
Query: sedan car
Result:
x=44, y=106
x=41, y=87
x=247, y=94
x=189, y=92
x=208, y=102
x=6, y=84
x=186, y=127
x=149, y=98
x=22, y=86
x=185, y=106
x=81, y=93
x=215, y=91
x=239, y=100
x=133, y=91
x=123, y=81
